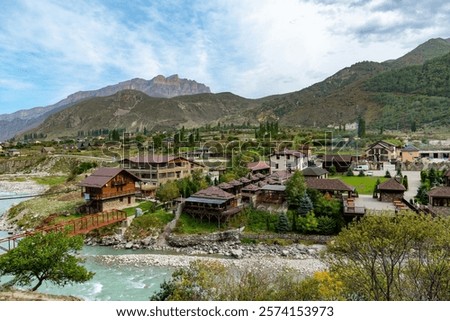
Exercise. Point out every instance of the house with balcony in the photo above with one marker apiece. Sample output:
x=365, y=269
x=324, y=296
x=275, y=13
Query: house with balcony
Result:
x=287, y=160
x=409, y=154
x=381, y=152
x=155, y=170
x=108, y=188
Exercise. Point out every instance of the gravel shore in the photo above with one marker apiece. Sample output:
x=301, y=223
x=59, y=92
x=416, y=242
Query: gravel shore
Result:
x=28, y=187
x=306, y=266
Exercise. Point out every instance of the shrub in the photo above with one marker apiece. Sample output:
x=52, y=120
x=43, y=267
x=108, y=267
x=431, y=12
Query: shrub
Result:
x=326, y=225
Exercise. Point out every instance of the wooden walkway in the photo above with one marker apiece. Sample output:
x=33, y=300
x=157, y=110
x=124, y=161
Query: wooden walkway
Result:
x=73, y=227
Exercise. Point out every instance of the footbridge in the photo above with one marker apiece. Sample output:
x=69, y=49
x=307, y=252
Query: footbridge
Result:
x=82, y=225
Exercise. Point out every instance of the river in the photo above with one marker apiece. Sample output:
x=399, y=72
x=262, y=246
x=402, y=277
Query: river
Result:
x=110, y=283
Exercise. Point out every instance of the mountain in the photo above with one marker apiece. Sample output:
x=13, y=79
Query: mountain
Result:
x=133, y=110
x=345, y=96
x=400, y=93
x=159, y=86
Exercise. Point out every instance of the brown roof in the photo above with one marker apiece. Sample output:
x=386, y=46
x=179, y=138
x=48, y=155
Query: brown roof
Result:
x=325, y=184
x=244, y=180
x=314, y=171
x=213, y=192
x=441, y=191
x=235, y=183
x=102, y=176
x=225, y=186
x=258, y=166
x=250, y=187
x=338, y=158
x=391, y=185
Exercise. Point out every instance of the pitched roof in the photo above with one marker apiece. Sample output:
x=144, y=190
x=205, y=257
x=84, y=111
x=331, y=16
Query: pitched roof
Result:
x=338, y=158
x=225, y=186
x=294, y=153
x=235, y=183
x=314, y=171
x=244, y=180
x=250, y=187
x=326, y=184
x=410, y=148
x=391, y=185
x=213, y=192
x=102, y=176
x=441, y=191
x=258, y=166
x=381, y=144
x=274, y=188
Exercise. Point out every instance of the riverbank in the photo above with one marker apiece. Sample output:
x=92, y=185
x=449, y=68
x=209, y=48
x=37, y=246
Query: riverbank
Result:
x=11, y=187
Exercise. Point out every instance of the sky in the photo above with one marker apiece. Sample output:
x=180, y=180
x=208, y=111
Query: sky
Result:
x=50, y=49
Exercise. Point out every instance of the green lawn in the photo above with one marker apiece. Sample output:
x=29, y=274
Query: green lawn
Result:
x=50, y=180
x=364, y=184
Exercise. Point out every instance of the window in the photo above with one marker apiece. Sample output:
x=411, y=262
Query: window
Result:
x=276, y=166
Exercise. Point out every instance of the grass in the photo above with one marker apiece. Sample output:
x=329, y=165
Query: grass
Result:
x=50, y=180
x=189, y=225
x=363, y=184
x=144, y=206
x=149, y=224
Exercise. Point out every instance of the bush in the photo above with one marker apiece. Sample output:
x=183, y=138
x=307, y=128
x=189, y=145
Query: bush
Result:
x=326, y=225
x=308, y=223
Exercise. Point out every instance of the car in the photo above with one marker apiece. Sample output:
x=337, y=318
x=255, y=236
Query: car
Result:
x=369, y=173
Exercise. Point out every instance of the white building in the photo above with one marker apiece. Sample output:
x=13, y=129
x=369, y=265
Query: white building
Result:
x=287, y=160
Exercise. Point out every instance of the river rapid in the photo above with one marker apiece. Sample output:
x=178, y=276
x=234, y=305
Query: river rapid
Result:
x=132, y=282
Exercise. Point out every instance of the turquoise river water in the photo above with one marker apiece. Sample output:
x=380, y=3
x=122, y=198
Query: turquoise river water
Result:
x=110, y=283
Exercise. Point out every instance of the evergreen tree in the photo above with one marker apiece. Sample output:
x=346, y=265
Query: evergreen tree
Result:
x=361, y=127
x=405, y=182
x=306, y=205
x=387, y=175
x=282, y=224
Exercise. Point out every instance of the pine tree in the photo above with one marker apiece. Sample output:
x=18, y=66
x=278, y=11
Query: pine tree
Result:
x=282, y=224
x=405, y=182
x=306, y=205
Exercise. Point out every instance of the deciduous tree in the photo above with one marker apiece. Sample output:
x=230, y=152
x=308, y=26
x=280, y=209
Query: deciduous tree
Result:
x=45, y=257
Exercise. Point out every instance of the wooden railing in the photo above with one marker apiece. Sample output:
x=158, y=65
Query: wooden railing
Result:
x=73, y=227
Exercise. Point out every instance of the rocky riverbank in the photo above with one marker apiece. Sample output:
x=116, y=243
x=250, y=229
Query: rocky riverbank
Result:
x=225, y=247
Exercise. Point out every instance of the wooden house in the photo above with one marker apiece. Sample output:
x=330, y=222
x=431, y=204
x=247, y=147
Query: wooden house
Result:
x=439, y=196
x=315, y=172
x=381, y=152
x=156, y=169
x=213, y=204
x=331, y=187
x=259, y=167
x=391, y=191
x=341, y=162
x=108, y=188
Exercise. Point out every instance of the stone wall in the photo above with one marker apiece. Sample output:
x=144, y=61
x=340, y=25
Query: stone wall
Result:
x=391, y=196
x=192, y=240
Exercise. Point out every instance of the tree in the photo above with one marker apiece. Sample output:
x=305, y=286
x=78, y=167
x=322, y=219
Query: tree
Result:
x=387, y=175
x=332, y=170
x=45, y=257
x=405, y=182
x=350, y=172
x=295, y=189
x=282, y=224
x=305, y=205
x=167, y=192
x=361, y=127
x=394, y=257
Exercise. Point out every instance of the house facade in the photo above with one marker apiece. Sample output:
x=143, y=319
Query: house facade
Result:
x=341, y=162
x=409, y=154
x=381, y=152
x=287, y=160
x=155, y=170
x=108, y=188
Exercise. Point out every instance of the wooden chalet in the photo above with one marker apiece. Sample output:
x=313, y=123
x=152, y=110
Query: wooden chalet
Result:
x=315, y=172
x=249, y=193
x=108, y=188
x=381, y=152
x=273, y=194
x=439, y=196
x=391, y=191
x=341, y=162
x=259, y=167
x=212, y=204
x=330, y=187
x=447, y=178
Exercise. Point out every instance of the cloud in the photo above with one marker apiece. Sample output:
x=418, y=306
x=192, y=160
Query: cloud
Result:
x=253, y=48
